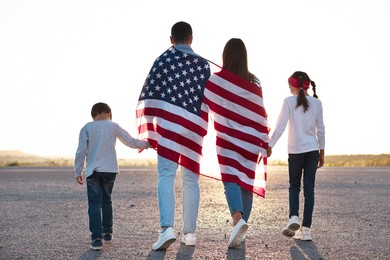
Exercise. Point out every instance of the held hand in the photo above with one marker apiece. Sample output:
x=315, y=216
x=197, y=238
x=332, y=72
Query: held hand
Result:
x=269, y=151
x=79, y=179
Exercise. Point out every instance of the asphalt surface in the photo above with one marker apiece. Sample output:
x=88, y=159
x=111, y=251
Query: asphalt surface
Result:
x=44, y=216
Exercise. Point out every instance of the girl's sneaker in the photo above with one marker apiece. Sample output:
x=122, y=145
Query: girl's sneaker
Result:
x=292, y=226
x=303, y=234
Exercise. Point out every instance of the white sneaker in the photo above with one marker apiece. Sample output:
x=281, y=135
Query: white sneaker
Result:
x=293, y=225
x=189, y=239
x=303, y=234
x=164, y=239
x=238, y=232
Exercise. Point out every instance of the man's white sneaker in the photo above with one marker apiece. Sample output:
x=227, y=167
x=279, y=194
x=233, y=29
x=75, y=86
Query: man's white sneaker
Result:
x=189, y=239
x=293, y=225
x=238, y=232
x=165, y=239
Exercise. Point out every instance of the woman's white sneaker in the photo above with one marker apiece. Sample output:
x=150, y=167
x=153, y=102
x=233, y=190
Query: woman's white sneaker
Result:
x=189, y=239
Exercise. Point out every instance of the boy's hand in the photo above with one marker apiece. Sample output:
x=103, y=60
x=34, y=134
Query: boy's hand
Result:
x=79, y=179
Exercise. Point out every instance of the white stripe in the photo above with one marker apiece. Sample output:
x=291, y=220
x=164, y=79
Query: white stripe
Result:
x=234, y=107
x=154, y=103
x=233, y=171
x=174, y=146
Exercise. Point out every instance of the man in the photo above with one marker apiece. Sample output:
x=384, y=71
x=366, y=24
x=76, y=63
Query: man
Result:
x=170, y=117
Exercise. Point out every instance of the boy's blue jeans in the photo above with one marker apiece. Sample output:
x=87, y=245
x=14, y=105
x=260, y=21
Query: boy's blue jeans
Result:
x=238, y=199
x=166, y=195
x=305, y=163
x=99, y=190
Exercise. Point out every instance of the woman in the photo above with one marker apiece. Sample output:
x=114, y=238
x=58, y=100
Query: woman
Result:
x=234, y=100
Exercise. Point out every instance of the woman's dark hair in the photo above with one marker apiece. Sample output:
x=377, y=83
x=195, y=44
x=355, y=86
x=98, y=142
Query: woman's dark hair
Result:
x=100, y=108
x=235, y=59
x=301, y=99
x=181, y=32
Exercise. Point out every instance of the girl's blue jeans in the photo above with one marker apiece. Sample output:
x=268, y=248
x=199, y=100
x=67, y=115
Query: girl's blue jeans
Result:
x=166, y=195
x=302, y=164
x=238, y=199
x=99, y=190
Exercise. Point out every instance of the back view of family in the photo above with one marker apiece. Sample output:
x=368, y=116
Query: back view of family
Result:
x=96, y=160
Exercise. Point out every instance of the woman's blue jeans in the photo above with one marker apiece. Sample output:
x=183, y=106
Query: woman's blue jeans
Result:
x=99, y=190
x=166, y=195
x=238, y=199
x=306, y=164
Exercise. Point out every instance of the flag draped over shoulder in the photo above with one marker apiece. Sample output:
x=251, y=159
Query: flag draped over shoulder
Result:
x=240, y=121
x=169, y=111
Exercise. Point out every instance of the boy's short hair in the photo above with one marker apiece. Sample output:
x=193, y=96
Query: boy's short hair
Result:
x=99, y=108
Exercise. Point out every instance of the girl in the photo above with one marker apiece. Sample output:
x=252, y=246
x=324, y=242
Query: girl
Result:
x=306, y=143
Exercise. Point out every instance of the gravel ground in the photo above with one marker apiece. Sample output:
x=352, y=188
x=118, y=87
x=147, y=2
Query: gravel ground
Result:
x=44, y=216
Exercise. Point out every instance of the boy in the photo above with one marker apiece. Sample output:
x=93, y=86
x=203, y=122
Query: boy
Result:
x=97, y=146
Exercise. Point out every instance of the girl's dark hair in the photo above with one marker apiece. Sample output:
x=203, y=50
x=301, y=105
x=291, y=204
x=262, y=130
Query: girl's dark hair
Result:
x=235, y=59
x=100, y=108
x=301, y=99
x=181, y=32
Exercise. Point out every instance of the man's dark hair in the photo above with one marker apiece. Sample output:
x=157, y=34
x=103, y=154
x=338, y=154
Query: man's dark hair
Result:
x=99, y=108
x=181, y=32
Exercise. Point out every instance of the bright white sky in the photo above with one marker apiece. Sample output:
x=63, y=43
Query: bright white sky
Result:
x=58, y=58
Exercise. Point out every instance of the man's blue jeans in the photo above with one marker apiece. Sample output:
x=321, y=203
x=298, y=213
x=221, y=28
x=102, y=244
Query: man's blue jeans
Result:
x=238, y=199
x=166, y=195
x=305, y=163
x=99, y=190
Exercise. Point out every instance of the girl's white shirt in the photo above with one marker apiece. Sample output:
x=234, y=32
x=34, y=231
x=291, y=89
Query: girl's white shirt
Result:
x=306, y=130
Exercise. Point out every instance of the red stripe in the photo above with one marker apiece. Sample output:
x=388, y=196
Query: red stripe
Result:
x=233, y=178
x=235, y=117
x=241, y=151
x=173, y=136
x=185, y=122
x=240, y=135
x=180, y=158
x=236, y=164
x=240, y=100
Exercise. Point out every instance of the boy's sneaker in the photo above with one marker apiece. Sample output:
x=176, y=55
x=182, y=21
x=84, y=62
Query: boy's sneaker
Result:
x=97, y=244
x=107, y=237
x=293, y=225
x=165, y=239
x=189, y=239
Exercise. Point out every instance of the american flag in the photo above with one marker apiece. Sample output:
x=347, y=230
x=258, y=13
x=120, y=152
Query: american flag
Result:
x=169, y=112
x=240, y=120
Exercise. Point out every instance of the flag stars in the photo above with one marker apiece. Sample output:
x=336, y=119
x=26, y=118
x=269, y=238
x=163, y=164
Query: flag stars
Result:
x=173, y=99
x=157, y=88
x=150, y=93
x=158, y=75
x=165, y=71
x=185, y=104
x=180, y=64
x=173, y=67
x=160, y=63
x=177, y=75
x=164, y=83
x=188, y=81
x=184, y=72
x=170, y=79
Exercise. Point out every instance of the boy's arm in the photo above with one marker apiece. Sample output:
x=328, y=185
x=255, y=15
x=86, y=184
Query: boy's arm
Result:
x=129, y=141
x=81, y=153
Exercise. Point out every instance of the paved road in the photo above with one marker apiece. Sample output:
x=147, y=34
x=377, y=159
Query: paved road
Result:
x=44, y=216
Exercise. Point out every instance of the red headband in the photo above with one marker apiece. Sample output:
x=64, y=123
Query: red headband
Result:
x=295, y=83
